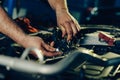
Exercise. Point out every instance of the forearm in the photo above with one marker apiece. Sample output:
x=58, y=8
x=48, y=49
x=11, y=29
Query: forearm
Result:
x=58, y=5
x=9, y=28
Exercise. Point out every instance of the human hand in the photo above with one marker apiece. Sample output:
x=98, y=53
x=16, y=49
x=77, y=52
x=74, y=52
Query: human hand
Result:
x=67, y=23
x=37, y=42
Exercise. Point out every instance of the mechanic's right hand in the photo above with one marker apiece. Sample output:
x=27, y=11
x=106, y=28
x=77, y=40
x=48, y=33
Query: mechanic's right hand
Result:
x=37, y=42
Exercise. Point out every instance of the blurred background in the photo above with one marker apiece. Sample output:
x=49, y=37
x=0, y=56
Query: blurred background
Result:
x=85, y=11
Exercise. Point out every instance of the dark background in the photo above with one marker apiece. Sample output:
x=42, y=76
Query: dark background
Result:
x=108, y=11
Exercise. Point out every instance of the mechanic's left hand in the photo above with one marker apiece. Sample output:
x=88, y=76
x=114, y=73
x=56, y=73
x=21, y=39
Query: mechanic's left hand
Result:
x=67, y=23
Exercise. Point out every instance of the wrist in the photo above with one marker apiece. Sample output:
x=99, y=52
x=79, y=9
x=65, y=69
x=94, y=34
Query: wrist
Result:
x=58, y=5
x=61, y=10
x=22, y=40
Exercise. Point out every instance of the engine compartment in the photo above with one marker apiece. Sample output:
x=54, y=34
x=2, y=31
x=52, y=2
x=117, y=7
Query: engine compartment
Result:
x=96, y=60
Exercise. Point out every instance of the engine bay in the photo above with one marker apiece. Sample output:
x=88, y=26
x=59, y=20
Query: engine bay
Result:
x=92, y=54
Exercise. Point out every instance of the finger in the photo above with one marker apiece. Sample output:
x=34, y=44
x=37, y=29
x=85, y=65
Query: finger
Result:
x=74, y=28
x=50, y=54
x=63, y=30
x=52, y=43
x=77, y=25
x=48, y=50
x=47, y=47
x=68, y=30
